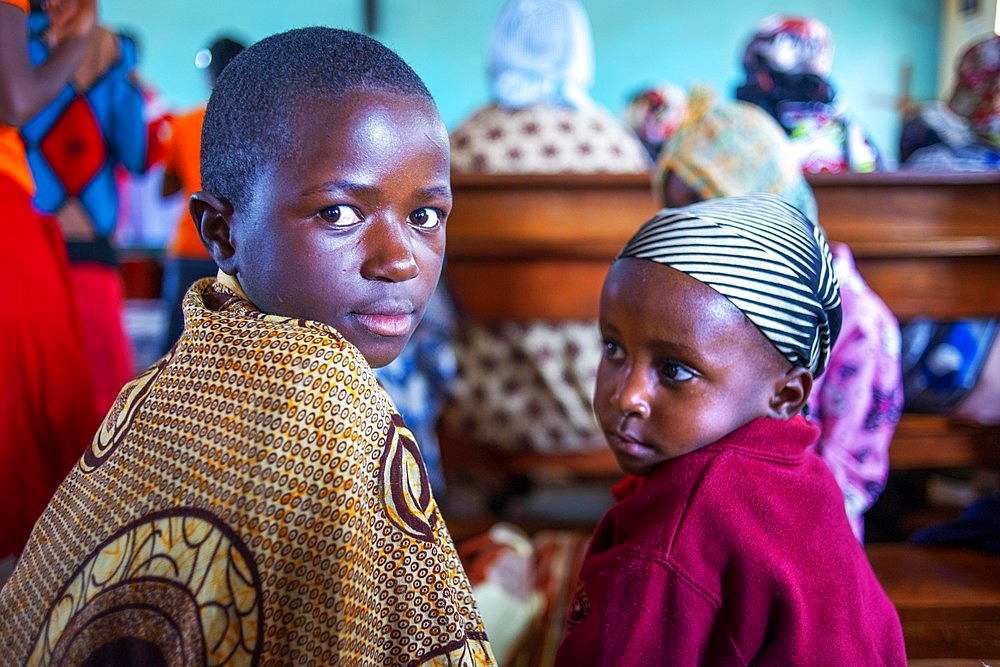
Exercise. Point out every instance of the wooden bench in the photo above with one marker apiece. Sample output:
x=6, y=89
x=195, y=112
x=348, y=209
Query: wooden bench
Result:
x=538, y=247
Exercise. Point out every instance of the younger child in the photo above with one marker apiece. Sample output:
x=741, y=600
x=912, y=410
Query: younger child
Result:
x=254, y=497
x=728, y=543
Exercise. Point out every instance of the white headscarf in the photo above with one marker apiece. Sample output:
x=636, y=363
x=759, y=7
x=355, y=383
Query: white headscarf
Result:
x=541, y=51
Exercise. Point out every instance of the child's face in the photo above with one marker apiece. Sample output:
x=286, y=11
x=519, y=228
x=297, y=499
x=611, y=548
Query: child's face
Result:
x=682, y=366
x=350, y=230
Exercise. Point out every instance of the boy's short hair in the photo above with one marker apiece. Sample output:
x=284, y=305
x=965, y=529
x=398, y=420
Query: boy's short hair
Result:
x=248, y=119
x=762, y=254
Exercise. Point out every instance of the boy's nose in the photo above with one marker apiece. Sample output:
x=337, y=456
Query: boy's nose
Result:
x=389, y=251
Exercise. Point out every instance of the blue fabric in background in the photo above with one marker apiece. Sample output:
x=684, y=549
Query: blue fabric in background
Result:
x=942, y=361
x=420, y=380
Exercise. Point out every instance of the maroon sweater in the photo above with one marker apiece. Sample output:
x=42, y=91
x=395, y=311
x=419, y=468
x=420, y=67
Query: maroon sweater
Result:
x=737, y=553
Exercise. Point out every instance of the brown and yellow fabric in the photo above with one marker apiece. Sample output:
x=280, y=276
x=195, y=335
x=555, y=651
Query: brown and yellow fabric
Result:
x=252, y=498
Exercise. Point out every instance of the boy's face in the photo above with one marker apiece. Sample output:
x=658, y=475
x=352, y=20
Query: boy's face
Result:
x=350, y=229
x=682, y=366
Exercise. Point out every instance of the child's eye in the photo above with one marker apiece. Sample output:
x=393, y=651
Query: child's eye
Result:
x=425, y=218
x=340, y=215
x=613, y=351
x=676, y=372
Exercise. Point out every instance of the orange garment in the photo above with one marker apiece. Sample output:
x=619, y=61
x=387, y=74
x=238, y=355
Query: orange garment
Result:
x=12, y=158
x=184, y=161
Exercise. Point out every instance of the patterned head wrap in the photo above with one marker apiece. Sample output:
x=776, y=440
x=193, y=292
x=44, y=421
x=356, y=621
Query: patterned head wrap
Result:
x=541, y=51
x=724, y=149
x=765, y=257
x=655, y=113
x=790, y=45
x=977, y=89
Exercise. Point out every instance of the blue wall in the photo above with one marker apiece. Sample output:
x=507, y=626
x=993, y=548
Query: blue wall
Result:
x=664, y=40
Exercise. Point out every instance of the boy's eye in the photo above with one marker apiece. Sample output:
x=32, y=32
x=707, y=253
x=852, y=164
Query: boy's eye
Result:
x=340, y=215
x=676, y=372
x=613, y=351
x=425, y=218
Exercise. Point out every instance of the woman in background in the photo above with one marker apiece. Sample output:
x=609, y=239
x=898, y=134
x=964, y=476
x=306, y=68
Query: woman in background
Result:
x=541, y=118
x=788, y=62
x=954, y=367
x=47, y=413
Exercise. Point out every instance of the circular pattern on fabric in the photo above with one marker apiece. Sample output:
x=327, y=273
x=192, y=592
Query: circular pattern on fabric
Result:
x=143, y=592
x=117, y=425
x=406, y=491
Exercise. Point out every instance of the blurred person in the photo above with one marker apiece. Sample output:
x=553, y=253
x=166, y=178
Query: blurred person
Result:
x=47, y=411
x=953, y=367
x=541, y=117
x=186, y=258
x=75, y=145
x=787, y=63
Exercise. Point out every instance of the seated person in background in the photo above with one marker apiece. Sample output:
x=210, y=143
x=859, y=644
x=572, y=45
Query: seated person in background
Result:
x=254, y=498
x=962, y=134
x=186, y=258
x=726, y=148
x=954, y=367
x=47, y=411
x=526, y=386
x=542, y=118
x=728, y=543
x=654, y=114
x=787, y=64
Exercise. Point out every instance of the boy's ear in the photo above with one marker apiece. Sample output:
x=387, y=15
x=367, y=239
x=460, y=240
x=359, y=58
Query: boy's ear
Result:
x=213, y=217
x=791, y=393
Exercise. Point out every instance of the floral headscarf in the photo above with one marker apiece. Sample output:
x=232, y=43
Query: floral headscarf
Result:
x=655, y=113
x=728, y=148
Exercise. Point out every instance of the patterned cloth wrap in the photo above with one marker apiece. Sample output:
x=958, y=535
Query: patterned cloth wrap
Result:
x=545, y=139
x=787, y=62
x=75, y=144
x=252, y=498
x=977, y=91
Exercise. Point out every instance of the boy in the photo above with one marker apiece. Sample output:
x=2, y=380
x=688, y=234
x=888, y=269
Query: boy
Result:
x=254, y=497
x=716, y=318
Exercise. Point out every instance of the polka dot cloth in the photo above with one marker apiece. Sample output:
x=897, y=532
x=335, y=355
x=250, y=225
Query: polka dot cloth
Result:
x=527, y=387
x=545, y=139
x=252, y=498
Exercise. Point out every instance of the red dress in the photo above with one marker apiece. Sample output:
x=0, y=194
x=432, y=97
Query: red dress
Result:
x=47, y=414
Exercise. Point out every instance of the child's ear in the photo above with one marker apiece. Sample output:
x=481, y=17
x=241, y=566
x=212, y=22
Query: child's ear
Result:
x=791, y=393
x=213, y=217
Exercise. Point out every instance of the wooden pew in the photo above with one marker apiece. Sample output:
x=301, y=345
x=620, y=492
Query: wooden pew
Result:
x=538, y=247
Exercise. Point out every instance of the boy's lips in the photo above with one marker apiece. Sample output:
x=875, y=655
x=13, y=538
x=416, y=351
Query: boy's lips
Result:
x=391, y=323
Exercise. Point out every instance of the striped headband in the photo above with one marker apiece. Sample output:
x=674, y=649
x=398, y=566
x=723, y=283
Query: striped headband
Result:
x=763, y=255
